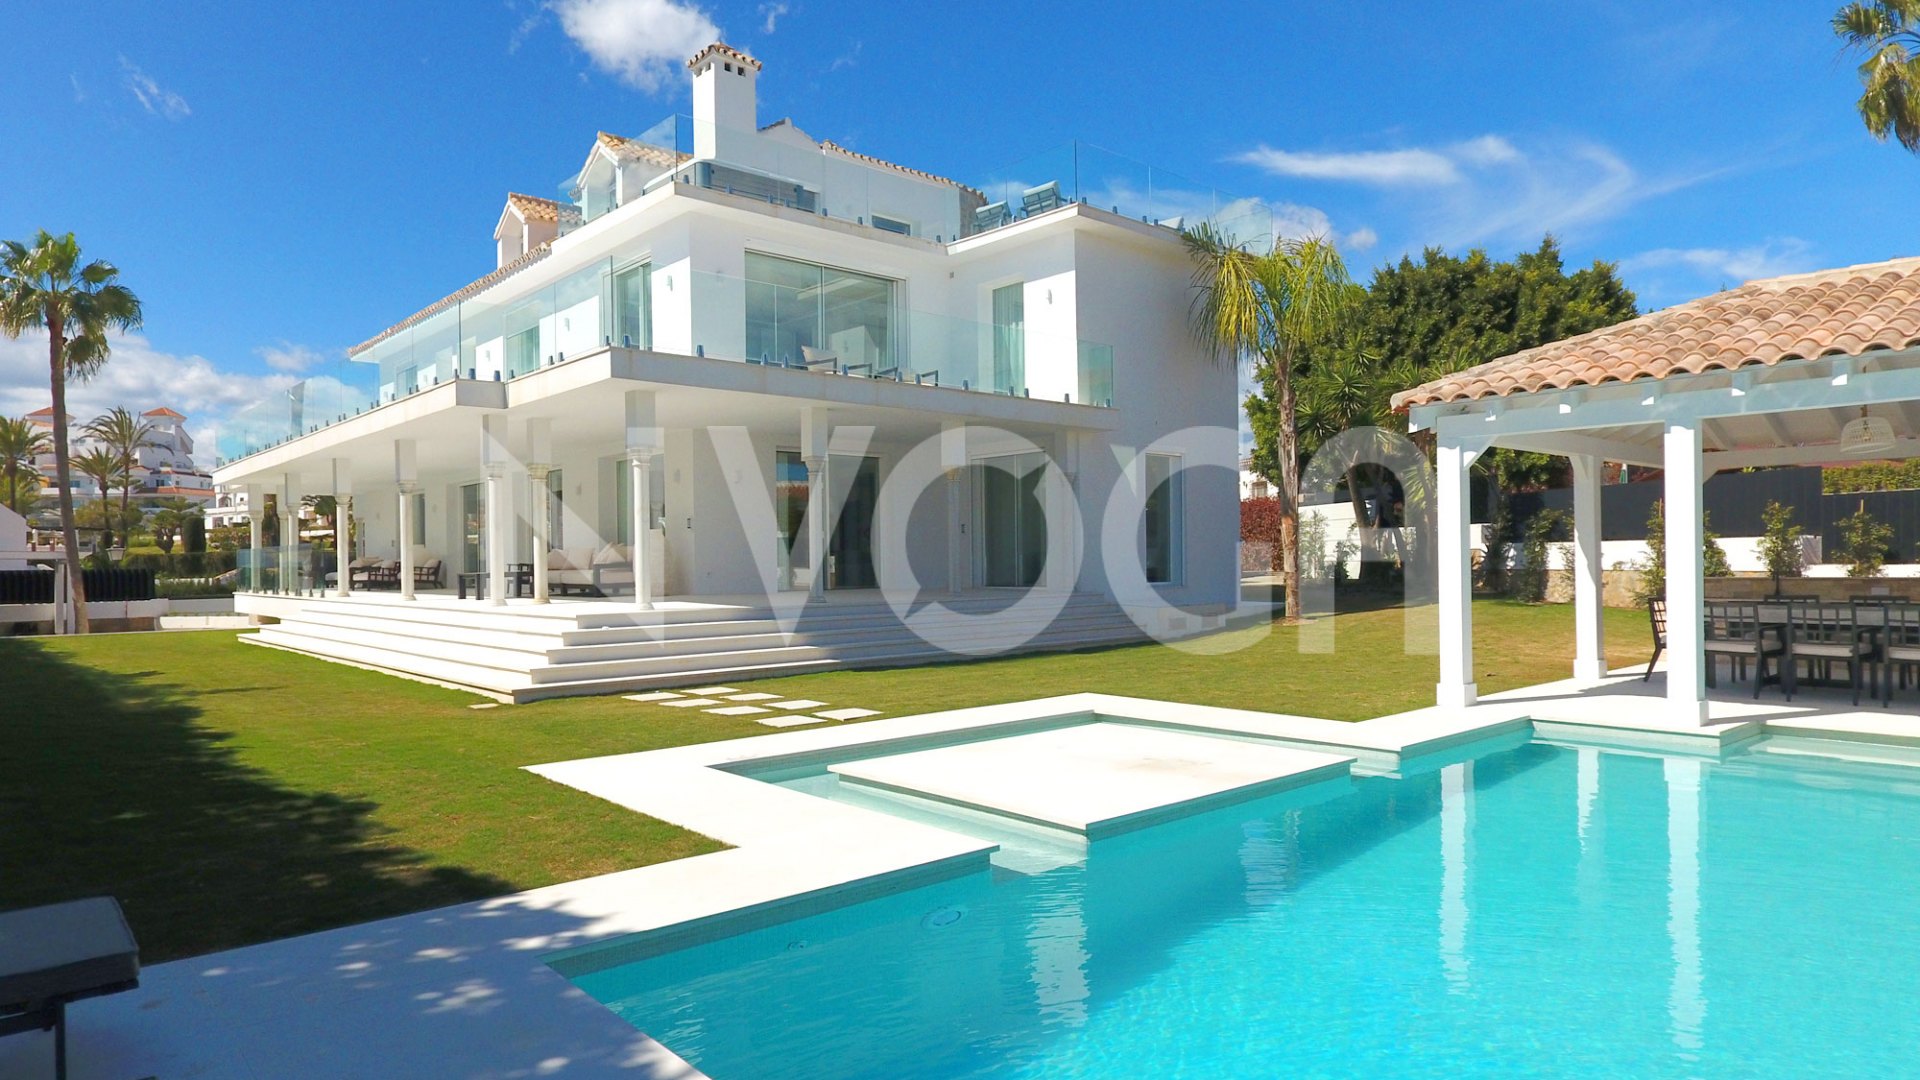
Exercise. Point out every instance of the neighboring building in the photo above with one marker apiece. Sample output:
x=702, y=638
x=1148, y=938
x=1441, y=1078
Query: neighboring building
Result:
x=763, y=322
x=165, y=468
x=1252, y=484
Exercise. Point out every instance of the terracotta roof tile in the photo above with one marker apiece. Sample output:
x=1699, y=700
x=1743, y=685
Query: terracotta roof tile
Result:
x=723, y=49
x=535, y=208
x=1844, y=312
x=625, y=149
x=828, y=144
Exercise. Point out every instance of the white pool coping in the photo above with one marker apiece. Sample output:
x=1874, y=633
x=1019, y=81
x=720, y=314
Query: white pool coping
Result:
x=468, y=991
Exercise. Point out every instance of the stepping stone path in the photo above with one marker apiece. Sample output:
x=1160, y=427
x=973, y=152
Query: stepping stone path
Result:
x=792, y=717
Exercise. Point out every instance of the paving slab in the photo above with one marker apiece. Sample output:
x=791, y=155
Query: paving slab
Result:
x=752, y=697
x=1096, y=779
x=787, y=721
x=657, y=695
x=738, y=710
x=690, y=702
x=847, y=714
x=797, y=704
x=714, y=690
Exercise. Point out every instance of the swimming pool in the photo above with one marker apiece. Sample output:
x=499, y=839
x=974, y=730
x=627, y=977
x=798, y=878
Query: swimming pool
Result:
x=1540, y=910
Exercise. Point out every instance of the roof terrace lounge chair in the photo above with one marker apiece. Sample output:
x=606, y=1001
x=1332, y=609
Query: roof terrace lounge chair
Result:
x=57, y=954
x=1040, y=199
x=991, y=216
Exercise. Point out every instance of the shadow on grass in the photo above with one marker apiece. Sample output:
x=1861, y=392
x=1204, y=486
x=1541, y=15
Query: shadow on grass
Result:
x=109, y=785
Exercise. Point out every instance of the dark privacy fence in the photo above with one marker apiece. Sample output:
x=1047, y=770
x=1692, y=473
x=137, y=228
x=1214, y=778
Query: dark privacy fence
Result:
x=36, y=586
x=1735, y=501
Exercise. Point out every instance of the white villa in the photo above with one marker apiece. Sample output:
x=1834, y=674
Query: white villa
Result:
x=725, y=337
x=165, y=466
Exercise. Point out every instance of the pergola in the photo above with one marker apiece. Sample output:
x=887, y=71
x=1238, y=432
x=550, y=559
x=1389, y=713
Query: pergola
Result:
x=1797, y=370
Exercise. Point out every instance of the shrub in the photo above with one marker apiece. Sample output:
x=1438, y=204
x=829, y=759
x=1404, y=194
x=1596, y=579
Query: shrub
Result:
x=1871, y=476
x=1653, y=568
x=1260, y=523
x=1529, y=581
x=1780, y=543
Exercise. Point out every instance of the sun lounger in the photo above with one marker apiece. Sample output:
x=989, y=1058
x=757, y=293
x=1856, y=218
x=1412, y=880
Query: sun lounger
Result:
x=57, y=954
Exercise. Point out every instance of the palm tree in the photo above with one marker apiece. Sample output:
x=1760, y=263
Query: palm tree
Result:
x=21, y=444
x=124, y=435
x=102, y=466
x=1888, y=32
x=44, y=286
x=169, y=519
x=1267, y=308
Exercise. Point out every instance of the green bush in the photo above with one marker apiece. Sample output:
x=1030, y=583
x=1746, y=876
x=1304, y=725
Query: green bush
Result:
x=1529, y=581
x=1863, y=543
x=1871, y=476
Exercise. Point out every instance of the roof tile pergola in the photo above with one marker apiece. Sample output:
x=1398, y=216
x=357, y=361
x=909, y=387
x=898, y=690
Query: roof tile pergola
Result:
x=1762, y=375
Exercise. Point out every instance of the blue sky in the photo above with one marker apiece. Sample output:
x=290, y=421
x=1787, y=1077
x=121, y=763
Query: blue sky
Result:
x=280, y=181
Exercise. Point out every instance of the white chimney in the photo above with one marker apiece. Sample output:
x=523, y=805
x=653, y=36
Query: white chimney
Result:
x=723, y=95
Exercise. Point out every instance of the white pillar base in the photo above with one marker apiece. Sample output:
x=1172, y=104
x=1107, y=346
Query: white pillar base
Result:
x=1456, y=695
x=1685, y=713
x=1589, y=670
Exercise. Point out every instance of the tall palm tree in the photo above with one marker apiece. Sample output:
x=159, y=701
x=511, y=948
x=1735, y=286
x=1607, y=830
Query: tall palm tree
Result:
x=45, y=286
x=1888, y=32
x=124, y=435
x=1267, y=308
x=21, y=444
x=102, y=466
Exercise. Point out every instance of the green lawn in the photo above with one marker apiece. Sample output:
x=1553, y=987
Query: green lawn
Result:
x=231, y=794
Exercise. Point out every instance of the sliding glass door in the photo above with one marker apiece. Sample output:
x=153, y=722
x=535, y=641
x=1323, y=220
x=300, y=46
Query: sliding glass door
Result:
x=1010, y=531
x=798, y=311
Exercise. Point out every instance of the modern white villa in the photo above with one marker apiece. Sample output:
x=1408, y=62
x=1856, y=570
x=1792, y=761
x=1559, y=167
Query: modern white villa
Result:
x=804, y=378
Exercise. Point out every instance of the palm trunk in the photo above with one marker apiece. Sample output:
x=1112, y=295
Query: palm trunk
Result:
x=1289, y=488
x=62, y=473
x=13, y=487
x=126, y=494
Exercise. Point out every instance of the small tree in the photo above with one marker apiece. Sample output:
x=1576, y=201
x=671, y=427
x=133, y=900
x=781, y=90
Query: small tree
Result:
x=1530, y=582
x=1863, y=543
x=1780, y=544
x=1653, y=568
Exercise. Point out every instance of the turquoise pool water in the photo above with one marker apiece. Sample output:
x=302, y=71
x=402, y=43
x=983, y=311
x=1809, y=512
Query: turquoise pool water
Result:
x=1541, y=911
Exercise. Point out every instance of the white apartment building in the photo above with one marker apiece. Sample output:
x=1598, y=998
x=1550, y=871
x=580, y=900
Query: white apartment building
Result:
x=810, y=380
x=164, y=468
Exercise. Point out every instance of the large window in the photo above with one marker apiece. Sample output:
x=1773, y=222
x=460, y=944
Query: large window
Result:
x=622, y=530
x=796, y=307
x=633, y=307
x=1009, y=338
x=1164, y=519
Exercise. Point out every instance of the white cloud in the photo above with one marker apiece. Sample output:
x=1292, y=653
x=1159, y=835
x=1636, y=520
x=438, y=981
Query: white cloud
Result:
x=153, y=97
x=642, y=42
x=847, y=59
x=1487, y=150
x=771, y=14
x=1361, y=239
x=139, y=377
x=1730, y=266
x=289, y=357
x=1381, y=167
x=1291, y=221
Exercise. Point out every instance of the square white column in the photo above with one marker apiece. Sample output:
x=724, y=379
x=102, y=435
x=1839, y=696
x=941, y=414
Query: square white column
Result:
x=1686, y=588
x=342, y=526
x=640, y=464
x=406, y=476
x=1453, y=459
x=1589, y=612
x=497, y=534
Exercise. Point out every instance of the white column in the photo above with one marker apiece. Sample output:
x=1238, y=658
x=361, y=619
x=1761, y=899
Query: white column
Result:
x=540, y=512
x=288, y=505
x=1453, y=459
x=256, y=509
x=817, y=503
x=1686, y=673
x=342, y=526
x=644, y=440
x=406, y=476
x=405, y=518
x=640, y=466
x=493, y=459
x=953, y=458
x=542, y=526
x=1589, y=614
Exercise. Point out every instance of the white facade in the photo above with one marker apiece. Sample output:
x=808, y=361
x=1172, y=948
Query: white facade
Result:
x=774, y=335
x=166, y=467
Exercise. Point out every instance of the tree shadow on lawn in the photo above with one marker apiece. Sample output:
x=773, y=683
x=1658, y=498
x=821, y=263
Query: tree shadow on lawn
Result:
x=109, y=785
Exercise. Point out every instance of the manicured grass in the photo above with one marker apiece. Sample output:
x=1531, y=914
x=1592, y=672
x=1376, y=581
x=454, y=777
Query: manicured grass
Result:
x=230, y=794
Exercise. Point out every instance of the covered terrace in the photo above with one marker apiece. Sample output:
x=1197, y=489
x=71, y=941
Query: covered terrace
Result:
x=1802, y=370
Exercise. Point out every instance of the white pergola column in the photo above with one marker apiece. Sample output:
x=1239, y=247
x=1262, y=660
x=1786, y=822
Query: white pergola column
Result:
x=289, y=507
x=1686, y=672
x=256, y=534
x=342, y=526
x=493, y=458
x=406, y=476
x=1453, y=458
x=644, y=441
x=1589, y=614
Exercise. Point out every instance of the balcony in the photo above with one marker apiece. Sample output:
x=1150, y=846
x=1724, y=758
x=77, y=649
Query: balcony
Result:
x=820, y=329
x=844, y=185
